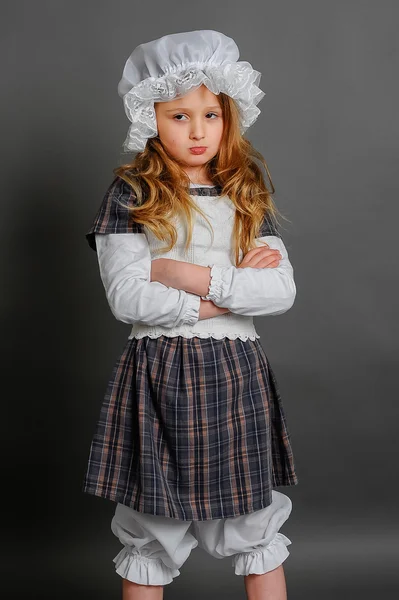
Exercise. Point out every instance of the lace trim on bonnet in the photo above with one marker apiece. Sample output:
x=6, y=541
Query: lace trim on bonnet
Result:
x=238, y=80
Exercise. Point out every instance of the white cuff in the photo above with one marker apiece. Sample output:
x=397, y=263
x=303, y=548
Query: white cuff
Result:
x=216, y=284
x=264, y=559
x=191, y=315
x=130, y=565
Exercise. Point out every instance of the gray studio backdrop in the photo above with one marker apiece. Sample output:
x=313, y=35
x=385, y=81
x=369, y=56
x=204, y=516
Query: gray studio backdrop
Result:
x=329, y=132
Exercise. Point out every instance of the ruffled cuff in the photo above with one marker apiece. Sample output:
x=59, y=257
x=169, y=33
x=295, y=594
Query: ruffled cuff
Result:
x=143, y=570
x=264, y=559
x=216, y=284
x=191, y=315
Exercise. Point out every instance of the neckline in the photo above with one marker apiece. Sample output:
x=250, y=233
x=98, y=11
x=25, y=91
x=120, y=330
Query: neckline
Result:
x=202, y=190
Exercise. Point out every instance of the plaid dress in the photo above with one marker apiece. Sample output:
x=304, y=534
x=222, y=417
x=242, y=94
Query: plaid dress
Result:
x=189, y=428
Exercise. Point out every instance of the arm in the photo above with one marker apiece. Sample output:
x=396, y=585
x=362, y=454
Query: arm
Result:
x=164, y=271
x=181, y=275
x=245, y=291
x=125, y=268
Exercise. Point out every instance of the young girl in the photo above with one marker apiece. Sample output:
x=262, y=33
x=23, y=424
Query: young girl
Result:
x=192, y=436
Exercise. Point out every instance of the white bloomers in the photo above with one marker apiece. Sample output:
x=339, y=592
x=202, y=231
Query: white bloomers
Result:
x=155, y=547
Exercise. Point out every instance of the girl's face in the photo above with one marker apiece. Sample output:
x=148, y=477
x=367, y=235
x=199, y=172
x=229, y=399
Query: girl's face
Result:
x=194, y=120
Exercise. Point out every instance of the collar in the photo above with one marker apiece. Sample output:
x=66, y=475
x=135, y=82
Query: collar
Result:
x=214, y=190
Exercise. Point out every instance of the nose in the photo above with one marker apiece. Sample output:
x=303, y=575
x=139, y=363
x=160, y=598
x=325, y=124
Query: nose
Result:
x=197, y=129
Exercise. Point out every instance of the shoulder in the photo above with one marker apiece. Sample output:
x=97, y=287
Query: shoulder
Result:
x=118, y=198
x=114, y=215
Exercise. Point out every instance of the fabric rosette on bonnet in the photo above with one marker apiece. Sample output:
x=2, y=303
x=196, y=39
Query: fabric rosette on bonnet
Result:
x=176, y=64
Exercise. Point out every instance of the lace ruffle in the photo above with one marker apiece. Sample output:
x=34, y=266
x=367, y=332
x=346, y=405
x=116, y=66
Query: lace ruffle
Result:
x=216, y=336
x=262, y=560
x=143, y=570
x=236, y=79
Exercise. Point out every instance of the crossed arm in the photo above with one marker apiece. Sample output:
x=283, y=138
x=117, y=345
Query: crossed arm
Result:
x=168, y=292
x=188, y=277
x=181, y=275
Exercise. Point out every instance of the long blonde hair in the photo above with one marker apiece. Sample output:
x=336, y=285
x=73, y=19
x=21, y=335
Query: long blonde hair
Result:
x=161, y=186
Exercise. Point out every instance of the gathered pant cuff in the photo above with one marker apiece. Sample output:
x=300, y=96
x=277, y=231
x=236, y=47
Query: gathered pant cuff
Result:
x=131, y=565
x=264, y=559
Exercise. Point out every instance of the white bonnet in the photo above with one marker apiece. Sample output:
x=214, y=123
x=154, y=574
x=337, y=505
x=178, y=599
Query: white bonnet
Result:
x=175, y=64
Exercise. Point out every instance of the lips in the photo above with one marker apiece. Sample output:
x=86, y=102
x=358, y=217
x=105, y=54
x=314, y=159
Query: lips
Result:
x=197, y=149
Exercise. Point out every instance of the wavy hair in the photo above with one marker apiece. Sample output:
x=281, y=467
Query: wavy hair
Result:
x=161, y=186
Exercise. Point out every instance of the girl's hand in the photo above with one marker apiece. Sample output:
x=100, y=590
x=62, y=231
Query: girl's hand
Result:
x=261, y=258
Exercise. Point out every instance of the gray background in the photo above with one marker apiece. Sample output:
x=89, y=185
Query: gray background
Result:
x=329, y=132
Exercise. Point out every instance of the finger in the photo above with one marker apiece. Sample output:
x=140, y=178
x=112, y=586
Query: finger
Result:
x=267, y=263
x=266, y=254
x=252, y=253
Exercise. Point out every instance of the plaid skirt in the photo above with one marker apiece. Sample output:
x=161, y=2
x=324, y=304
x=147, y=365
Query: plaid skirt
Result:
x=191, y=428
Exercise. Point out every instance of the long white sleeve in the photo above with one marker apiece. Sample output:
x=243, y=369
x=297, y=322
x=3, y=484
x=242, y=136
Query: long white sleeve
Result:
x=255, y=292
x=125, y=268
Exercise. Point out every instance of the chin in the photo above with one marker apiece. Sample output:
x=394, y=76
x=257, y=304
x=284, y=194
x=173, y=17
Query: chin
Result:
x=196, y=160
x=199, y=158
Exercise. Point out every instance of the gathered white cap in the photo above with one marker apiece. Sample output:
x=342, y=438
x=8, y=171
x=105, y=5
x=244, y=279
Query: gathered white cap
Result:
x=176, y=64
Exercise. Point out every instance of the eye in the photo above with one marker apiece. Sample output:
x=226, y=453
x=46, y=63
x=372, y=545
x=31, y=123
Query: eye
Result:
x=182, y=115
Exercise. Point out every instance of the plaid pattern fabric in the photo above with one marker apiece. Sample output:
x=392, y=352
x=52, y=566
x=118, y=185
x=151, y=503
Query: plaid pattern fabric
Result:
x=113, y=215
x=269, y=227
x=192, y=429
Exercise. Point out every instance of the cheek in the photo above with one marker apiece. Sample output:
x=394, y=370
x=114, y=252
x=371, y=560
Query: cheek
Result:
x=167, y=133
x=171, y=144
x=219, y=132
x=172, y=140
x=163, y=129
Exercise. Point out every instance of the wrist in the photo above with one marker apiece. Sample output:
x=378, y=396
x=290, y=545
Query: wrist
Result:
x=208, y=309
x=192, y=278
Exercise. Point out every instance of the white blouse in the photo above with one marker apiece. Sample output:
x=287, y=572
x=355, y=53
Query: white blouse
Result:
x=125, y=269
x=154, y=309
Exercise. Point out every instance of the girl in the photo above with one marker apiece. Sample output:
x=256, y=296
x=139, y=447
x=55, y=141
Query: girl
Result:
x=192, y=436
